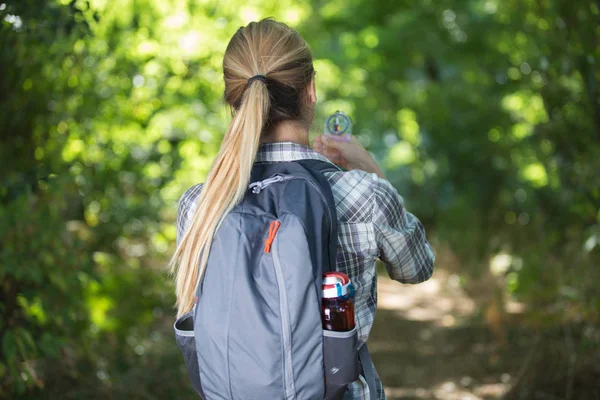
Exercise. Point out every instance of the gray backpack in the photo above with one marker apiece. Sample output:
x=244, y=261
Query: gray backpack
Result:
x=255, y=331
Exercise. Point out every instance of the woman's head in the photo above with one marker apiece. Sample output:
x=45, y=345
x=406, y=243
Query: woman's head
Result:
x=268, y=48
x=278, y=52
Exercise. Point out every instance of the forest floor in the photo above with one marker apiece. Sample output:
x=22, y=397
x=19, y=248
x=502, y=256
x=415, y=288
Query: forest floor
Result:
x=429, y=343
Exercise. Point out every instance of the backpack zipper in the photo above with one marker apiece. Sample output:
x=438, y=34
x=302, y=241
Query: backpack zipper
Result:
x=288, y=373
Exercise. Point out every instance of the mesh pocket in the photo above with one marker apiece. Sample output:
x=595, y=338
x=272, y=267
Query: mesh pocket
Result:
x=184, y=334
x=341, y=362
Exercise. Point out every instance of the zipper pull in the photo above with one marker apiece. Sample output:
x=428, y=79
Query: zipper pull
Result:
x=272, y=231
x=258, y=186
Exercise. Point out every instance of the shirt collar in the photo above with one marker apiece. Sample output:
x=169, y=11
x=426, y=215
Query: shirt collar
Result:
x=286, y=151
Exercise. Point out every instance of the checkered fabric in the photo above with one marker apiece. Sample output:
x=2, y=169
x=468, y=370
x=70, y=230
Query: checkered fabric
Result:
x=372, y=224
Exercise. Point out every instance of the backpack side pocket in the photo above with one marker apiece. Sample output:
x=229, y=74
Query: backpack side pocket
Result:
x=341, y=362
x=184, y=334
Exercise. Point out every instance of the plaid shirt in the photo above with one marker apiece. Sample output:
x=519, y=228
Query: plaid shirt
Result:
x=372, y=224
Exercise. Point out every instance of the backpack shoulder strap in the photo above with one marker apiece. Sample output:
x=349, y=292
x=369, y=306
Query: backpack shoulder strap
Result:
x=319, y=165
x=363, y=353
x=317, y=168
x=367, y=368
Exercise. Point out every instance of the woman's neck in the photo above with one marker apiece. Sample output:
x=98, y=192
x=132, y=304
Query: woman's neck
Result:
x=287, y=131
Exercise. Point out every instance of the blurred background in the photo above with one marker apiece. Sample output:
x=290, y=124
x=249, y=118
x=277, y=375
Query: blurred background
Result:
x=485, y=114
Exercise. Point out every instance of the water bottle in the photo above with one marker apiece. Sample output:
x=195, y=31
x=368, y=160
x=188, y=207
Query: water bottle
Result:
x=337, y=307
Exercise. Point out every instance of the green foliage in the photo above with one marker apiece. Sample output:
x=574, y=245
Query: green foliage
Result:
x=44, y=268
x=485, y=114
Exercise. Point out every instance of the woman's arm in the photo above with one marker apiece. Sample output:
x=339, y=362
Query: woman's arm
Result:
x=400, y=236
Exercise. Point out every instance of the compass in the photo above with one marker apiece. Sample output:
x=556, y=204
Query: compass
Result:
x=338, y=126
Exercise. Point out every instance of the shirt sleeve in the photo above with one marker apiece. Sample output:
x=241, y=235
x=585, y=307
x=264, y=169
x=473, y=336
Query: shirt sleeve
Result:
x=400, y=236
x=185, y=210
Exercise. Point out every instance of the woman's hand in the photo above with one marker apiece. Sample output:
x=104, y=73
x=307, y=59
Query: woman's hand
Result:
x=348, y=155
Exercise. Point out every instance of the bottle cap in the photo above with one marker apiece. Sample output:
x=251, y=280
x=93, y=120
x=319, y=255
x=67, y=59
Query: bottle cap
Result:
x=336, y=284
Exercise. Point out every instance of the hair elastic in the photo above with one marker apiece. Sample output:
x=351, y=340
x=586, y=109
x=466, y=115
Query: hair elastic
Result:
x=257, y=77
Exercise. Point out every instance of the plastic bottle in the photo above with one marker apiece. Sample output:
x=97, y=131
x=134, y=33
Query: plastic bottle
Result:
x=337, y=307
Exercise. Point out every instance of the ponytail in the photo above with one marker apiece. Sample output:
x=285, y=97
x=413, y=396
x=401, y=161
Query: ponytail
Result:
x=225, y=186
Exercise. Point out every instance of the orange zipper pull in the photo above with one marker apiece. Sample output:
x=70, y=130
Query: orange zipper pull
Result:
x=272, y=231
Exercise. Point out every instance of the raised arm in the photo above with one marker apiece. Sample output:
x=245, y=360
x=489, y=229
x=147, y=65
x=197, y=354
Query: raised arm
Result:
x=400, y=236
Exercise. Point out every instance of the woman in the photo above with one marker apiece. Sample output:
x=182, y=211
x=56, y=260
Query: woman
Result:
x=269, y=83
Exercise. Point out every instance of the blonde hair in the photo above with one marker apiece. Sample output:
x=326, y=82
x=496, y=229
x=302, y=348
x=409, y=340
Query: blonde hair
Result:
x=268, y=48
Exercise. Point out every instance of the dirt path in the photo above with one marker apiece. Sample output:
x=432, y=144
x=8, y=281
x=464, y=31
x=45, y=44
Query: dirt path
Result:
x=427, y=343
